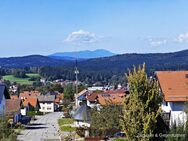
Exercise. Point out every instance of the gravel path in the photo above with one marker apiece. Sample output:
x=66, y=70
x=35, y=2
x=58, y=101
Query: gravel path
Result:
x=45, y=128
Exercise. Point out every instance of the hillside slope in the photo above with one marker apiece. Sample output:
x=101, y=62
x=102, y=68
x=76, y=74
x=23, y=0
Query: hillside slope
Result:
x=117, y=63
x=30, y=61
x=156, y=61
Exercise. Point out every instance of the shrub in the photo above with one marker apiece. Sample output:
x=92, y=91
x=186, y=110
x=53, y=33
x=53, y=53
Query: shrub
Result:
x=120, y=139
x=179, y=132
x=39, y=113
x=31, y=113
x=6, y=134
x=69, y=137
x=80, y=131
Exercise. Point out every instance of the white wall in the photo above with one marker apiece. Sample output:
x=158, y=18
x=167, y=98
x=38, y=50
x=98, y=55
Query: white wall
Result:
x=23, y=111
x=95, y=88
x=178, y=118
x=176, y=109
x=92, y=105
x=46, y=107
x=166, y=108
x=77, y=102
x=81, y=124
x=2, y=106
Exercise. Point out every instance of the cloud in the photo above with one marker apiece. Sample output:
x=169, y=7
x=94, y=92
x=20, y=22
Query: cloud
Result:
x=82, y=37
x=182, y=38
x=156, y=41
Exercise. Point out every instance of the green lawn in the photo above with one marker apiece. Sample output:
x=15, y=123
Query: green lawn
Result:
x=33, y=74
x=67, y=129
x=22, y=81
x=64, y=121
x=64, y=124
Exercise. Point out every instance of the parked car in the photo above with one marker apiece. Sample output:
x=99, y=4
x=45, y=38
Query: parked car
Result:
x=119, y=134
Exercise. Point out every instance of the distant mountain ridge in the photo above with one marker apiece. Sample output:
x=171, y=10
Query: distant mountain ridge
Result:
x=30, y=61
x=154, y=61
x=86, y=54
x=116, y=63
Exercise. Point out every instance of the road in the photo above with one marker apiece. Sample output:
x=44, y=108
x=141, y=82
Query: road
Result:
x=43, y=129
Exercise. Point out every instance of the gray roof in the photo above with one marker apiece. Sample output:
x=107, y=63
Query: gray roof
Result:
x=46, y=98
x=52, y=93
x=82, y=113
x=3, y=91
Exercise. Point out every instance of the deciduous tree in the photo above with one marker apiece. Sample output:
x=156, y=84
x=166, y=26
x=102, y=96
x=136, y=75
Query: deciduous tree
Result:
x=141, y=106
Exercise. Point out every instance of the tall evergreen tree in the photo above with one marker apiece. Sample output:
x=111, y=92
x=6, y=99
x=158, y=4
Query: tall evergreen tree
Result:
x=69, y=92
x=141, y=106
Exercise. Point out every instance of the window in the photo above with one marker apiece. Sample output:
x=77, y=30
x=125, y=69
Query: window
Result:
x=166, y=103
x=49, y=108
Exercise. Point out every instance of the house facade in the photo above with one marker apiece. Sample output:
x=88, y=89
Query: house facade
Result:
x=47, y=103
x=3, y=96
x=13, y=109
x=29, y=104
x=110, y=97
x=92, y=100
x=81, y=97
x=174, y=88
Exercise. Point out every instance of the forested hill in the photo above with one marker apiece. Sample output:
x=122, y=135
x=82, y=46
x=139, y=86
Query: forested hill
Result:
x=117, y=63
x=30, y=61
x=155, y=61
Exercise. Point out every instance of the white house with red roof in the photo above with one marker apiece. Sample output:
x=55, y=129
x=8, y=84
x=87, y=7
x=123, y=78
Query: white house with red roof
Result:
x=174, y=88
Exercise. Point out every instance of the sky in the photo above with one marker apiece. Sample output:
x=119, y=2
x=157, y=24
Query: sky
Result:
x=121, y=26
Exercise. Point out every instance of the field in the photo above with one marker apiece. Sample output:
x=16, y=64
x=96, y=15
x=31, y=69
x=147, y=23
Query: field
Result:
x=33, y=74
x=22, y=81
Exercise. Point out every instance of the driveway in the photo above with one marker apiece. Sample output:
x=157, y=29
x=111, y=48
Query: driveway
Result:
x=43, y=129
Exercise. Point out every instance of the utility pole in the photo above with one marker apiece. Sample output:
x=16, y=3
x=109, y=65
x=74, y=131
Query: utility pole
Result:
x=76, y=74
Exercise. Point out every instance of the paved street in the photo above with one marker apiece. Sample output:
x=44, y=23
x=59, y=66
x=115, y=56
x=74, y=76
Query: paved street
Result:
x=43, y=129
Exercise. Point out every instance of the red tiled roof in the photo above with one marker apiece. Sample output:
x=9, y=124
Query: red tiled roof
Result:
x=174, y=85
x=105, y=99
x=14, y=97
x=27, y=94
x=117, y=91
x=57, y=100
x=108, y=97
x=92, y=97
x=12, y=105
x=32, y=101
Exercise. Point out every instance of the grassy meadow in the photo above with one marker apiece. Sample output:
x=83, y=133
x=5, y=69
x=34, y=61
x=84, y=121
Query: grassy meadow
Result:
x=22, y=81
